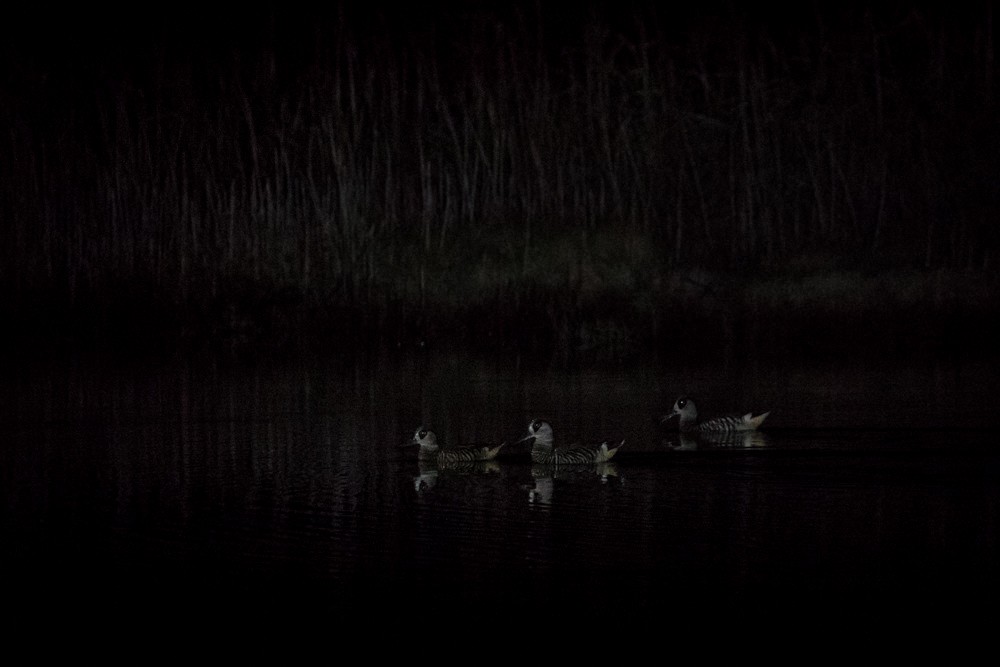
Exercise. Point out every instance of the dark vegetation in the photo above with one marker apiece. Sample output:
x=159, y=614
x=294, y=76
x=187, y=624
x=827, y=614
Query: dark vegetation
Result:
x=596, y=182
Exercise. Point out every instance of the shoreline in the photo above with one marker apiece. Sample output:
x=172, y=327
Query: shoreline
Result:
x=829, y=313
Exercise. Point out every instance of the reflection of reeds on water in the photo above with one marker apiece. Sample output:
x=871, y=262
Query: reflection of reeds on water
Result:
x=718, y=440
x=430, y=472
x=544, y=476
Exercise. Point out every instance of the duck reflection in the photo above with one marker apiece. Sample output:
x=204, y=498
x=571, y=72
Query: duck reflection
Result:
x=429, y=472
x=544, y=477
x=717, y=440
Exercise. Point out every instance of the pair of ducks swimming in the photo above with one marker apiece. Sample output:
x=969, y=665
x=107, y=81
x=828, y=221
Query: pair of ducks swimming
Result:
x=544, y=451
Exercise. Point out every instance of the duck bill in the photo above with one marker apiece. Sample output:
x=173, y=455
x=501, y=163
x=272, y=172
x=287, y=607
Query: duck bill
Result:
x=527, y=437
x=667, y=418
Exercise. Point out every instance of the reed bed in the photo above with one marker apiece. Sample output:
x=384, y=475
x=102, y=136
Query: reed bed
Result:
x=505, y=179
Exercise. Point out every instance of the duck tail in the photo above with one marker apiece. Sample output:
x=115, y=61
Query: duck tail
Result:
x=755, y=422
x=606, y=453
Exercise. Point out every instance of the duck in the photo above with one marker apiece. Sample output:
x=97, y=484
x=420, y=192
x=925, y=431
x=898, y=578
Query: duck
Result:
x=702, y=440
x=543, y=450
x=430, y=451
x=687, y=411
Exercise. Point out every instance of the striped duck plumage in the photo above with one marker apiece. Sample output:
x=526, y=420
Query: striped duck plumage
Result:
x=430, y=450
x=687, y=412
x=543, y=450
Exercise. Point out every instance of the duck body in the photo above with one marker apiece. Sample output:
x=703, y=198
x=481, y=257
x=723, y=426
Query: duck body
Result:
x=431, y=451
x=687, y=412
x=544, y=451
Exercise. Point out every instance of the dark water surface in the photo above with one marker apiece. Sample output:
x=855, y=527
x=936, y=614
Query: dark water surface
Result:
x=206, y=496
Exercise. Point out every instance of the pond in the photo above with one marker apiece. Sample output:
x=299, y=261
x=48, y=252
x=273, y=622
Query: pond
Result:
x=279, y=492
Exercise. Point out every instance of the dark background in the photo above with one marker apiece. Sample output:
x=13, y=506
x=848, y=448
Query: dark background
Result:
x=816, y=180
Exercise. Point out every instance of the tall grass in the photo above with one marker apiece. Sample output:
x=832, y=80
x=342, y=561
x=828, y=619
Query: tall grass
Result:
x=535, y=169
